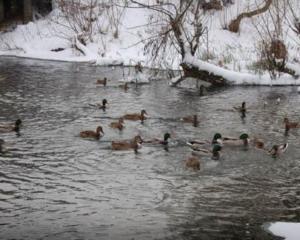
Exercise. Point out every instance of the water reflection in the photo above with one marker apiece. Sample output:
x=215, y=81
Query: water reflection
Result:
x=55, y=185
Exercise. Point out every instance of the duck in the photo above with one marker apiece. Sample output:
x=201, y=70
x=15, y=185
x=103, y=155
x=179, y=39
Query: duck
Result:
x=193, y=162
x=136, y=116
x=277, y=150
x=124, y=86
x=289, y=125
x=241, y=109
x=191, y=119
x=243, y=140
x=165, y=140
x=11, y=127
x=214, y=153
x=91, y=134
x=134, y=144
x=103, y=105
x=117, y=125
x=102, y=81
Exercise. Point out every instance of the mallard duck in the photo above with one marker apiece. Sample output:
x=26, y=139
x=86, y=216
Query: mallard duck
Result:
x=214, y=153
x=241, y=109
x=243, y=140
x=103, y=105
x=191, y=119
x=160, y=141
x=103, y=82
x=136, y=116
x=134, y=144
x=124, y=86
x=289, y=125
x=119, y=125
x=91, y=134
x=277, y=150
x=193, y=162
x=11, y=127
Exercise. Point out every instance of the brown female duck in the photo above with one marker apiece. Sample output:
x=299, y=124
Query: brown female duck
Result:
x=289, y=125
x=134, y=144
x=136, y=116
x=102, y=81
x=91, y=134
x=191, y=119
x=193, y=162
x=117, y=125
x=11, y=127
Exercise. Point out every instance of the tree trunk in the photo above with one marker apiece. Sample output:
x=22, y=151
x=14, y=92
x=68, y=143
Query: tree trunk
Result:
x=234, y=25
x=194, y=72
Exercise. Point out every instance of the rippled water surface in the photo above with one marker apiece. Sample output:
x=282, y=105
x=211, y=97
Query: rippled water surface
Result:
x=55, y=185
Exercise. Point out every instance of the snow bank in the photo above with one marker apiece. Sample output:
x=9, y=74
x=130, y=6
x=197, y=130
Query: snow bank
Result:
x=240, y=78
x=290, y=231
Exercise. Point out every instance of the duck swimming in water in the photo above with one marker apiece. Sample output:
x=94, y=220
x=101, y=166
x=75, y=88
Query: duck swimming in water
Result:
x=136, y=116
x=289, y=125
x=118, y=125
x=241, y=109
x=91, y=134
x=191, y=119
x=102, y=82
x=277, y=150
x=159, y=141
x=193, y=162
x=103, y=105
x=242, y=141
x=11, y=127
x=134, y=144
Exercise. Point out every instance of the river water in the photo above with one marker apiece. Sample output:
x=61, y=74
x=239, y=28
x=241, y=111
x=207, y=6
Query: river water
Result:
x=55, y=185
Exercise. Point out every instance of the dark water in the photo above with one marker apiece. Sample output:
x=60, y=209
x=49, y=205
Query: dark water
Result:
x=55, y=185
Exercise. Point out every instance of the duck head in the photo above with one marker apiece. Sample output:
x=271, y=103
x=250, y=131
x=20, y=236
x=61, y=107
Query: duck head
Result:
x=104, y=102
x=217, y=139
x=137, y=141
x=99, y=130
x=18, y=123
x=104, y=81
x=143, y=113
x=245, y=138
x=274, y=151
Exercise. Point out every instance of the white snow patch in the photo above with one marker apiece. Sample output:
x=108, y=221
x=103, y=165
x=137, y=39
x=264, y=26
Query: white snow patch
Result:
x=240, y=78
x=290, y=231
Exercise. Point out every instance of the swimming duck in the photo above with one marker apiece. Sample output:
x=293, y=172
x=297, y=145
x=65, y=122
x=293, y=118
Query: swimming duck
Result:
x=241, y=109
x=159, y=141
x=124, y=86
x=103, y=82
x=193, y=162
x=11, y=127
x=215, y=152
x=191, y=119
x=103, y=105
x=91, y=134
x=277, y=150
x=119, y=125
x=289, y=125
x=134, y=144
x=136, y=116
x=243, y=140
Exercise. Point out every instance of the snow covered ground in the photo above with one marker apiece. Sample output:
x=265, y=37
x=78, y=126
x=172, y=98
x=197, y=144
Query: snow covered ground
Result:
x=290, y=231
x=231, y=55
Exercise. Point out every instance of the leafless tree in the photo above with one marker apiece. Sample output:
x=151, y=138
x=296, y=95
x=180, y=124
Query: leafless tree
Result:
x=176, y=25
